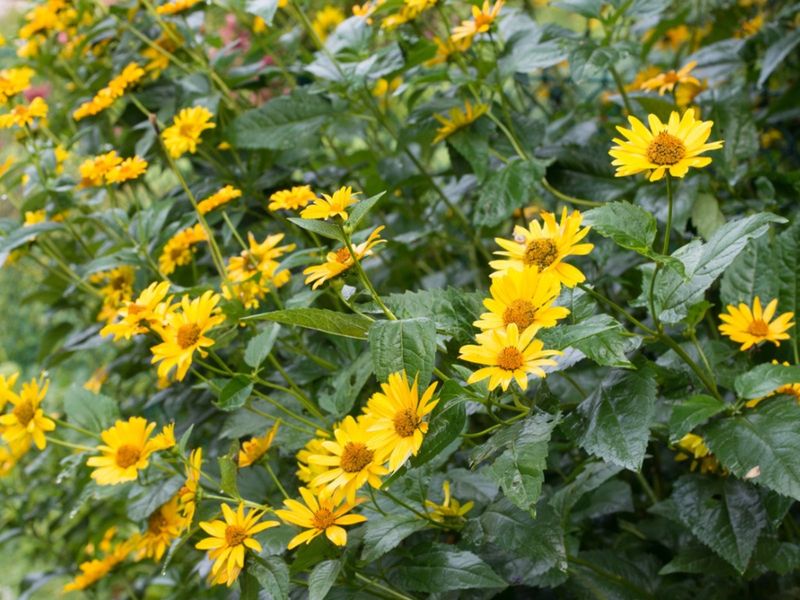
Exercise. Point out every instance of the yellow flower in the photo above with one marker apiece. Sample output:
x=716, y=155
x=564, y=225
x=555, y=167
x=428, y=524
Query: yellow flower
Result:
x=331, y=206
x=256, y=447
x=446, y=48
x=458, y=119
x=339, y=261
x=508, y=356
x=11, y=453
x=686, y=92
x=126, y=449
x=545, y=247
x=751, y=327
x=675, y=37
x=326, y=21
x=317, y=516
x=117, y=283
x=693, y=447
x=24, y=116
x=409, y=11
x=395, y=418
x=14, y=81
x=184, y=332
x=524, y=298
x=94, y=570
x=230, y=539
x=223, y=196
x=188, y=493
x=751, y=26
x=96, y=381
x=184, y=134
x=131, y=74
x=61, y=155
x=130, y=168
x=450, y=508
x=32, y=217
x=26, y=421
x=770, y=137
x=307, y=471
x=482, y=19
x=7, y=388
x=666, y=82
x=673, y=147
x=163, y=526
x=93, y=171
x=255, y=270
x=180, y=248
x=292, y=199
x=176, y=6
x=138, y=316
x=351, y=463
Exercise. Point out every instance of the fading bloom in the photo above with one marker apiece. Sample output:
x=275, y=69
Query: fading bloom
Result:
x=318, y=515
x=458, y=119
x=751, y=327
x=292, y=199
x=254, y=448
x=450, y=509
x=666, y=82
x=331, y=206
x=223, y=196
x=341, y=260
x=184, y=134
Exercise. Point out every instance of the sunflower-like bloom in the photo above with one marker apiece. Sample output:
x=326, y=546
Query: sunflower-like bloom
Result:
x=666, y=82
x=184, y=134
x=23, y=115
x=481, y=21
x=26, y=421
x=230, y=539
x=138, y=316
x=163, y=527
x=256, y=269
x=673, y=147
x=187, y=495
x=94, y=171
x=94, y=570
x=445, y=48
x=339, y=261
x=256, y=447
x=180, y=248
x=508, y=356
x=317, y=516
x=126, y=449
x=331, y=206
x=183, y=333
x=458, y=119
x=524, y=298
x=545, y=246
x=128, y=169
x=176, y=6
x=395, y=418
x=450, y=508
x=351, y=462
x=217, y=199
x=32, y=217
x=292, y=199
x=14, y=81
x=326, y=21
x=751, y=327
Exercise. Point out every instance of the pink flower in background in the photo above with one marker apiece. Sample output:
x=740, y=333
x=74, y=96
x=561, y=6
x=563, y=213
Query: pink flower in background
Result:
x=41, y=90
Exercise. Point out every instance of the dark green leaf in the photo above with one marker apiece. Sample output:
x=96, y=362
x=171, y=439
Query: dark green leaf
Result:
x=340, y=394
x=509, y=188
x=143, y=501
x=599, y=337
x=447, y=421
x=442, y=568
x=706, y=215
x=328, y=230
x=407, y=344
x=259, y=347
x=776, y=53
x=94, y=412
x=235, y=393
x=361, y=208
x=385, y=533
x=692, y=412
x=273, y=576
x=320, y=319
x=764, y=380
x=473, y=145
x=227, y=475
x=322, y=577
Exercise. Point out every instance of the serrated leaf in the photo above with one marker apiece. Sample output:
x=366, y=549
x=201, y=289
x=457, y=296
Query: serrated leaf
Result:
x=319, y=319
x=259, y=347
x=440, y=568
x=143, y=501
x=446, y=423
x=599, y=337
x=407, y=344
x=506, y=190
x=473, y=145
x=386, y=533
x=234, y=394
x=692, y=412
x=764, y=380
x=322, y=578
x=94, y=412
x=272, y=574
x=340, y=394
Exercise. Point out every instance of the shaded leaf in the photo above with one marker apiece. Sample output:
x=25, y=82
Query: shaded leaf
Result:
x=320, y=319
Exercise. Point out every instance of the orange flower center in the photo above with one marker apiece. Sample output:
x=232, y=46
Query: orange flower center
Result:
x=521, y=312
x=187, y=130
x=510, y=358
x=157, y=522
x=135, y=309
x=188, y=335
x=758, y=328
x=323, y=519
x=24, y=412
x=541, y=253
x=234, y=535
x=127, y=456
x=406, y=422
x=355, y=457
x=342, y=255
x=665, y=149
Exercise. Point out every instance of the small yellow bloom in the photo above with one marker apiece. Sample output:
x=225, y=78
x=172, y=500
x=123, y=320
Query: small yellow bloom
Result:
x=445, y=48
x=331, y=206
x=188, y=494
x=184, y=134
x=223, y=196
x=341, y=260
x=450, y=508
x=175, y=6
x=256, y=447
x=94, y=171
x=130, y=168
x=409, y=11
x=96, y=381
x=790, y=389
x=292, y=199
x=180, y=248
x=692, y=446
x=163, y=527
x=94, y=570
x=14, y=81
x=317, y=516
x=482, y=19
x=24, y=115
x=32, y=217
x=137, y=317
x=751, y=327
x=326, y=21
x=307, y=471
x=458, y=119
x=7, y=388
x=26, y=421
x=751, y=26
x=666, y=82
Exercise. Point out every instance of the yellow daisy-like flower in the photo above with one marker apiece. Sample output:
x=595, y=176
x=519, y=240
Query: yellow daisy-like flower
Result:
x=445, y=48
x=450, y=508
x=184, y=134
x=256, y=447
x=673, y=147
x=176, y=6
x=331, y=206
x=94, y=570
x=32, y=217
x=94, y=171
x=11, y=453
x=545, y=246
x=130, y=168
x=14, y=81
x=339, y=261
x=26, y=421
x=24, y=115
x=126, y=449
x=751, y=327
x=666, y=82
x=183, y=332
x=458, y=119
x=326, y=21
x=317, y=516
x=750, y=27
x=216, y=200
x=307, y=471
x=229, y=541
x=481, y=21
x=395, y=417
x=524, y=298
x=180, y=248
x=7, y=388
x=409, y=11
x=685, y=93
x=163, y=527
x=188, y=493
x=96, y=381
x=351, y=462
x=137, y=317
x=292, y=199
x=508, y=356
x=258, y=257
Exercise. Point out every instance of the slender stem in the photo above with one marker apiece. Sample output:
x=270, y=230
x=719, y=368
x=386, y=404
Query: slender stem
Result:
x=567, y=198
x=263, y=507
x=621, y=89
x=646, y=487
x=275, y=479
x=363, y=276
x=70, y=445
x=386, y=590
x=618, y=308
x=299, y=394
x=710, y=384
x=76, y=428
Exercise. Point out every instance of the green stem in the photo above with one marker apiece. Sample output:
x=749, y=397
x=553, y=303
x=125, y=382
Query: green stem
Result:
x=76, y=428
x=275, y=479
x=386, y=590
x=567, y=198
x=72, y=446
x=621, y=89
x=363, y=276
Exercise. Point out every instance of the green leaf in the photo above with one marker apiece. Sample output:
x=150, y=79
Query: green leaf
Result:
x=143, y=501
x=283, y=123
x=765, y=379
x=617, y=575
x=454, y=310
x=630, y=226
x=328, y=230
x=441, y=568
x=262, y=8
x=776, y=53
x=786, y=268
x=725, y=514
x=751, y=274
x=94, y=412
x=259, y=347
x=227, y=474
x=234, y=394
x=385, y=533
x=692, y=412
x=273, y=576
x=473, y=145
x=322, y=578
x=618, y=416
x=407, y=344
x=599, y=337
x=525, y=51
x=509, y=188
x=697, y=559
x=706, y=215
x=361, y=208
x=593, y=476
x=446, y=423
x=319, y=319
x=24, y=234
x=340, y=394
